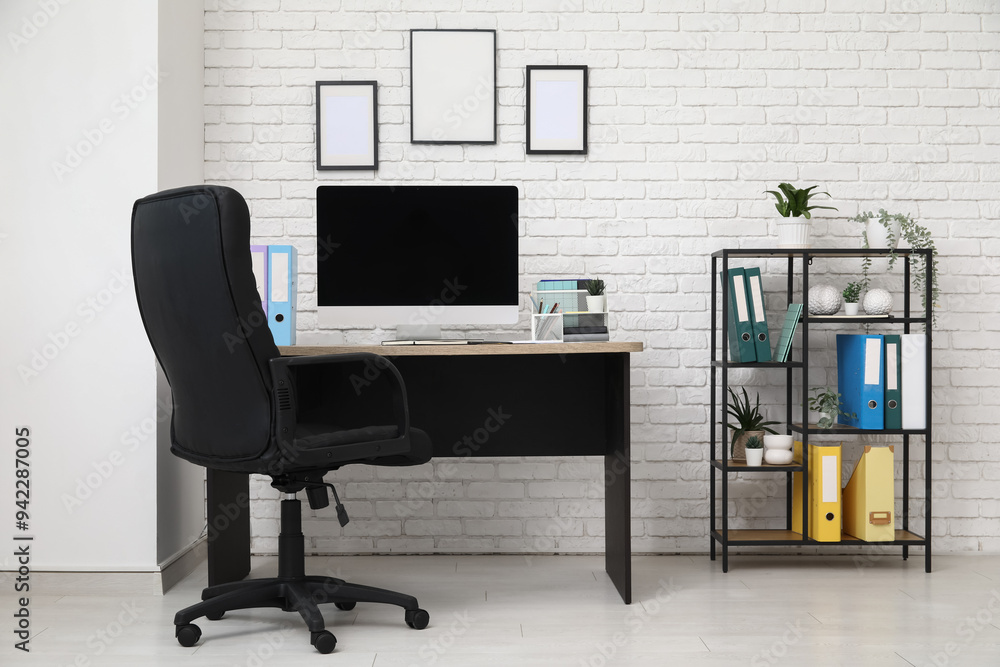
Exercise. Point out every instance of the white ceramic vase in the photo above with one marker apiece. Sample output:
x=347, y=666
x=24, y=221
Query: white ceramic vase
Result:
x=850, y=308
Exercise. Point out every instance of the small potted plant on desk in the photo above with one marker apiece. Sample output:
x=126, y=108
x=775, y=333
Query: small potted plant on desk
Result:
x=749, y=422
x=597, y=300
x=827, y=402
x=754, y=450
x=851, y=294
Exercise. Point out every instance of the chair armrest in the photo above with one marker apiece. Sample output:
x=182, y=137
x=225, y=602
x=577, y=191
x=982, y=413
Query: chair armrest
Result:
x=378, y=369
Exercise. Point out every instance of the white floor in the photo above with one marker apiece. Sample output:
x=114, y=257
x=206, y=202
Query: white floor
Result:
x=562, y=610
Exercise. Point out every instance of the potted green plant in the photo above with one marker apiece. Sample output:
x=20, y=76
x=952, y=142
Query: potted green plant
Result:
x=851, y=294
x=754, y=450
x=795, y=204
x=827, y=402
x=896, y=227
x=597, y=300
x=749, y=422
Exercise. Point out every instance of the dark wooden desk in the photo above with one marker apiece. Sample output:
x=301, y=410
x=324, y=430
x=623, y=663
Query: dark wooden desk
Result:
x=557, y=399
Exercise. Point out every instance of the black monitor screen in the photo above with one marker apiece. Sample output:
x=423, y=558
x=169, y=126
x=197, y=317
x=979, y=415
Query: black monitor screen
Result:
x=414, y=245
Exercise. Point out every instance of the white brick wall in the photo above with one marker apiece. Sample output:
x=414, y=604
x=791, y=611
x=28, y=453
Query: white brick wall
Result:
x=696, y=108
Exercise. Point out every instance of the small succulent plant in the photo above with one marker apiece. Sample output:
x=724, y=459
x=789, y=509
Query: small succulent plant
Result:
x=595, y=287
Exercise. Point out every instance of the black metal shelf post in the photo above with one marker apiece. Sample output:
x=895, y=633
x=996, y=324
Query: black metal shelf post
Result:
x=720, y=534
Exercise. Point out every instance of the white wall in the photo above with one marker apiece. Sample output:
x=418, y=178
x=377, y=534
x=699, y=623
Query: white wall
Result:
x=697, y=107
x=180, y=156
x=79, y=135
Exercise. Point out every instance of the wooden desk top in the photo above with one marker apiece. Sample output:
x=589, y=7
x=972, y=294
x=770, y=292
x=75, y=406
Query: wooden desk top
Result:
x=486, y=349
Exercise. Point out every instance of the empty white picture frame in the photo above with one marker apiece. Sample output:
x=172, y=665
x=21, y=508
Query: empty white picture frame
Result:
x=453, y=87
x=347, y=125
x=556, y=114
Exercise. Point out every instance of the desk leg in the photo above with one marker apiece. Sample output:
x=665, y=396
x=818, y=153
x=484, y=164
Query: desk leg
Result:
x=228, y=526
x=618, y=479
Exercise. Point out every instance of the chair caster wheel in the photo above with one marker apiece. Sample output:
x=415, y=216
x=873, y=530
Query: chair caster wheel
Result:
x=215, y=615
x=324, y=641
x=188, y=635
x=417, y=618
x=345, y=606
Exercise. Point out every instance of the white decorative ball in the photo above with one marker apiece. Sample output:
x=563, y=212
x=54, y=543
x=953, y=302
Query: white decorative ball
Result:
x=877, y=302
x=824, y=300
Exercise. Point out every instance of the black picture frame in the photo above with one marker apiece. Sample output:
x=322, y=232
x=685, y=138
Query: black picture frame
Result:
x=550, y=109
x=460, y=108
x=338, y=137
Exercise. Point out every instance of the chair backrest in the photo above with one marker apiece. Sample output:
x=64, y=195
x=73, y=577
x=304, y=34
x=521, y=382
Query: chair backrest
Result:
x=202, y=313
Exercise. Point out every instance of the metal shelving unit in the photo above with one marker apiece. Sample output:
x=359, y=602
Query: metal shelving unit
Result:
x=720, y=533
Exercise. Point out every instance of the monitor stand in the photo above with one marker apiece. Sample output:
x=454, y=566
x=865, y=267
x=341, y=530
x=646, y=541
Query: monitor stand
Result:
x=418, y=332
x=425, y=334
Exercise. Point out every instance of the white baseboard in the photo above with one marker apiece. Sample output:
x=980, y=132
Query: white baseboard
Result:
x=152, y=582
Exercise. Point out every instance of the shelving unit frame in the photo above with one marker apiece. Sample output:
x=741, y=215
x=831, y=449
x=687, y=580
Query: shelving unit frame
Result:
x=720, y=534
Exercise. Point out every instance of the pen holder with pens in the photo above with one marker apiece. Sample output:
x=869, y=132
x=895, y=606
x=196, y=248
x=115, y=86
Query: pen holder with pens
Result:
x=547, y=326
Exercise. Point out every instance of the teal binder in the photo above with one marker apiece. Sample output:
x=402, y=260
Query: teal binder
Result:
x=758, y=315
x=741, y=343
x=788, y=332
x=893, y=381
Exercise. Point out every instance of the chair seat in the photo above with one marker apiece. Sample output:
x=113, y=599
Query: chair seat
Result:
x=310, y=435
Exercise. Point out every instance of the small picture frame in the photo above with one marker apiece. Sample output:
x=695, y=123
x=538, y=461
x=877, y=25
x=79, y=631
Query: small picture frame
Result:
x=556, y=114
x=346, y=125
x=453, y=90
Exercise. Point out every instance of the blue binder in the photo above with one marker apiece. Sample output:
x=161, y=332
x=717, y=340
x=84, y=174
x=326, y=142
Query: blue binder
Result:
x=861, y=380
x=281, y=290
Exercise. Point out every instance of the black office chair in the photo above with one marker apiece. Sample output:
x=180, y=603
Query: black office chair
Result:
x=239, y=406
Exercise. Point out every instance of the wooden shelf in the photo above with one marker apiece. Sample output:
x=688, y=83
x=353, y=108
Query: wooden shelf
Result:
x=741, y=466
x=758, y=364
x=749, y=536
x=842, y=429
x=862, y=319
x=817, y=252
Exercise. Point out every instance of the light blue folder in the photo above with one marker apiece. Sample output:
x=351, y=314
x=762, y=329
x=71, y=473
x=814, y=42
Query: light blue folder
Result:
x=281, y=293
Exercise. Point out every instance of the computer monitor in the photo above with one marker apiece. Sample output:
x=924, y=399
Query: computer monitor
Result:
x=416, y=256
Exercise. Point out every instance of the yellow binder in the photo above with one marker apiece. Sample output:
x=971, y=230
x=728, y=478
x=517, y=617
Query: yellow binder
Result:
x=824, y=493
x=869, y=497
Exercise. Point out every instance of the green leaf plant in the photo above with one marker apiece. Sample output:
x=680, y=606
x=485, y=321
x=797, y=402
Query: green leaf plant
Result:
x=747, y=418
x=828, y=402
x=852, y=292
x=795, y=203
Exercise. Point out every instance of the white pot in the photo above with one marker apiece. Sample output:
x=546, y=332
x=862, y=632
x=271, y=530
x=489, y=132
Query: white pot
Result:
x=851, y=308
x=877, y=235
x=755, y=456
x=597, y=304
x=793, y=233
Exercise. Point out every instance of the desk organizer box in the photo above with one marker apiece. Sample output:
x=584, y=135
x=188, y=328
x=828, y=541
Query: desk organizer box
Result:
x=569, y=297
